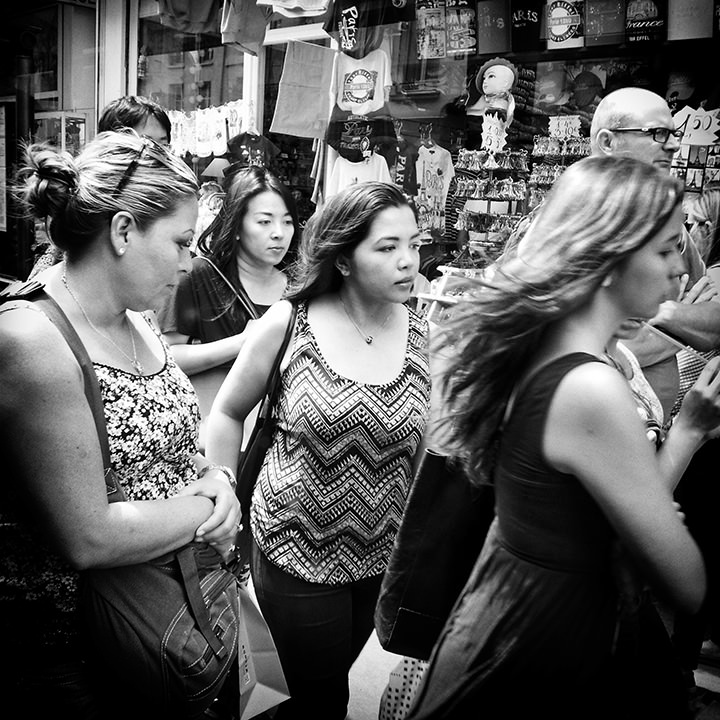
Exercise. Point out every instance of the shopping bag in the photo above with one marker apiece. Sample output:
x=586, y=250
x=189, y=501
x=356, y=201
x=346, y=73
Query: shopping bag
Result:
x=262, y=681
x=440, y=537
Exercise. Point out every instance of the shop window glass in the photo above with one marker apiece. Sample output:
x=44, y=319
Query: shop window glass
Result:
x=293, y=161
x=186, y=71
x=429, y=58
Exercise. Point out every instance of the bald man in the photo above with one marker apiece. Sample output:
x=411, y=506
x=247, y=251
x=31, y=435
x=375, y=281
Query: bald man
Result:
x=637, y=123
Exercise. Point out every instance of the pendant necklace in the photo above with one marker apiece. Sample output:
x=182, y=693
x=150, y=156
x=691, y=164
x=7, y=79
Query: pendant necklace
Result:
x=139, y=369
x=367, y=338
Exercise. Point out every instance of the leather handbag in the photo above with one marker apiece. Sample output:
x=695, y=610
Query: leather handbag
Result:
x=441, y=533
x=259, y=442
x=168, y=627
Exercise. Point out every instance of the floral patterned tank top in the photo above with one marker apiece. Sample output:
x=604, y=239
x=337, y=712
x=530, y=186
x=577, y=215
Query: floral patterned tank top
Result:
x=152, y=423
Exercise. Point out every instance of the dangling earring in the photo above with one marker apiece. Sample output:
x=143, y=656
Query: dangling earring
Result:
x=607, y=281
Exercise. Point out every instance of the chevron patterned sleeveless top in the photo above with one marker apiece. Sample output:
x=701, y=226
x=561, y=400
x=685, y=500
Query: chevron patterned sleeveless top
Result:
x=332, y=489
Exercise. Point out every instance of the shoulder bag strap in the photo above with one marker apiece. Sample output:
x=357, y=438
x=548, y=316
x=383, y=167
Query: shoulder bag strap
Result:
x=258, y=441
x=54, y=312
x=240, y=293
x=273, y=384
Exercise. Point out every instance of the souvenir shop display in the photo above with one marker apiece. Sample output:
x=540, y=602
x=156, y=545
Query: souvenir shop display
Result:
x=434, y=170
x=553, y=153
x=491, y=182
x=451, y=286
x=495, y=81
x=425, y=94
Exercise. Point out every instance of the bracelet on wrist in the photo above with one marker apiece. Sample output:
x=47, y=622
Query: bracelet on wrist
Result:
x=224, y=469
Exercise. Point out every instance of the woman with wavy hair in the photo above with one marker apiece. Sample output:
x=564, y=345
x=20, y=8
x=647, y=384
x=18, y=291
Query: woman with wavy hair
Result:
x=351, y=412
x=535, y=408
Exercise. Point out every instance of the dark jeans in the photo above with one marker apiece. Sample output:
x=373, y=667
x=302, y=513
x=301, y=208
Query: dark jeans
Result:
x=699, y=496
x=55, y=690
x=319, y=631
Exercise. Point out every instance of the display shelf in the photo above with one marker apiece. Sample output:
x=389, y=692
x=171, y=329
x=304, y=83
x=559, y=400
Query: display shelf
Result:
x=448, y=290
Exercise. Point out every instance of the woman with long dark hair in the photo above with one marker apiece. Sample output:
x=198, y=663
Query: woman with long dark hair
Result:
x=237, y=274
x=351, y=412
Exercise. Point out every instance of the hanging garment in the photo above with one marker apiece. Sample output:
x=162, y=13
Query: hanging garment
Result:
x=357, y=136
x=360, y=85
x=251, y=149
x=358, y=27
x=346, y=173
x=190, y=16
x=243, y=23
x=304, y=99
x=297, y=8
x=435, y=170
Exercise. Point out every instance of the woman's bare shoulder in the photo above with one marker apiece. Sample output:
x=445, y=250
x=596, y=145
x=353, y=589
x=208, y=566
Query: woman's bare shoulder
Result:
x=32, y=349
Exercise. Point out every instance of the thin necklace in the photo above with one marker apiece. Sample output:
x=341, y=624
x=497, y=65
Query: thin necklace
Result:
x=367, y=338
x=139, y=369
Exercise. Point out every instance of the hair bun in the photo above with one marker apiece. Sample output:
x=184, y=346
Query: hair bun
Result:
x=50, y=181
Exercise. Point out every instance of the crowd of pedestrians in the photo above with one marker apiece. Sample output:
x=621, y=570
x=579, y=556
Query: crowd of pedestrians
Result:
x=562, y=385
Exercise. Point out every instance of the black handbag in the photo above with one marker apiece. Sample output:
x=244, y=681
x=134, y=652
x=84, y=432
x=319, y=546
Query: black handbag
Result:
x=442, y=531
x=259, y=442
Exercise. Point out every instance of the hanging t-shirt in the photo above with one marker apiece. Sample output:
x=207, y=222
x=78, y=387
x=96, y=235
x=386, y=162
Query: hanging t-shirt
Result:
x=189, y=16
x=345, y=173
x=527, y=19
x=358, y=26
x=210, y=132
x=360, y=84
x=243, y=24
x=356, y=138
x=250, y=149
x=402, y=169
x=435, y=170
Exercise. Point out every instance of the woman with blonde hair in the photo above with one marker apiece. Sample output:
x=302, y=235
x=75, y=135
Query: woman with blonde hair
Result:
x=705, y=231
x=534, y=408
x=124, y=214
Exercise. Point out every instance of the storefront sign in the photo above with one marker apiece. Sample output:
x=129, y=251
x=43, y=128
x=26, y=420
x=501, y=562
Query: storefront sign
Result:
x=565, y=24
x=690, y=19
x=604, y=22
x=646, y=21
x=700, y=127
x=564, y=126
x=527, y=18
x=461, y=27
x=493, y=26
